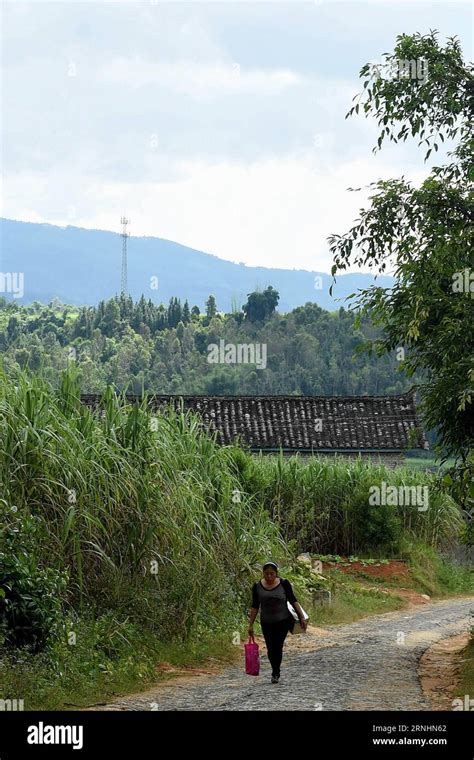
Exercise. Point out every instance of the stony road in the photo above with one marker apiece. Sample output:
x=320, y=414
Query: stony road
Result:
x=367, y=665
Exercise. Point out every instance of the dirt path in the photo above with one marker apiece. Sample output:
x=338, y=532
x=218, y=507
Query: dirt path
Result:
x=367, y=665
x=439, y=669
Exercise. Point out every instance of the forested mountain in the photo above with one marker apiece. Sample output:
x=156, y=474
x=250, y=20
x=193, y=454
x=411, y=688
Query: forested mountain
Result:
x=82, y=266
x=166, y=349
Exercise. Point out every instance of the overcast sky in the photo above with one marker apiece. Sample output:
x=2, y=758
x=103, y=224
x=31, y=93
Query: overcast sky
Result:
x=217, y=125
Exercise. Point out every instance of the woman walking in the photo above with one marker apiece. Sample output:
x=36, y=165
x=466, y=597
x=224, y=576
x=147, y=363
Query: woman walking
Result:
x=270, y=595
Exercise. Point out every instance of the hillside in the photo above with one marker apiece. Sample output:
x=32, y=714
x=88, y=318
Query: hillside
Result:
x=166, y=349
x=81, y=266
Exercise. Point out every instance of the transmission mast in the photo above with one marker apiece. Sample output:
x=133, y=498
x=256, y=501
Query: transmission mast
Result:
x=123, y=283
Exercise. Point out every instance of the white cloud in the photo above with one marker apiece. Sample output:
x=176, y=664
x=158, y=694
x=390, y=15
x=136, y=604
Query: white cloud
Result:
x=275, y=213
x=251, y=163
x=195, y=78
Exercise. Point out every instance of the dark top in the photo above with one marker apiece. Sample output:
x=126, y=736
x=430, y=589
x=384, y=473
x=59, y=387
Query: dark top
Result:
x=273, y=602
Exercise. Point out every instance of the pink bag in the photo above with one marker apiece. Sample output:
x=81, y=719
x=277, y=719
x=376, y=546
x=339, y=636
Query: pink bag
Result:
x=252, y=658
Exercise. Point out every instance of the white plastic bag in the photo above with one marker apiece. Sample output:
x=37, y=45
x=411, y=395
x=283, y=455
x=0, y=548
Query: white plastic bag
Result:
x=297, y=625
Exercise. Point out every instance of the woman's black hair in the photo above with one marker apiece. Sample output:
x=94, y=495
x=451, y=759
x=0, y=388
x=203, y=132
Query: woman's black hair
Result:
x=270, y=564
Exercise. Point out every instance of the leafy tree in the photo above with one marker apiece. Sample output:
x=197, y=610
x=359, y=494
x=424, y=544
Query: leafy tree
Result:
x=126, y=306
x=99, y=315
x=186, y=316
x=260, y=306
x=13, y=329
x=221, y=382
x=174, y=312
x=424, y=233
x=211, y=307
x=111, y=319
x=82, y=324
x=309, y=350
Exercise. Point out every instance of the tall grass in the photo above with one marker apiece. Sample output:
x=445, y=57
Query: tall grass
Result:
x=324, y=504
x=137, y=533
x=144, y=514
x=147, y=516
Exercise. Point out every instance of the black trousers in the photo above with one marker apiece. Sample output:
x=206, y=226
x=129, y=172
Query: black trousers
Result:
x=275, y=635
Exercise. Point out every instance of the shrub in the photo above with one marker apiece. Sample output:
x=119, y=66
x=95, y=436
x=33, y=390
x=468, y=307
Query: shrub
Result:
x=31, y=596
x=323, y=504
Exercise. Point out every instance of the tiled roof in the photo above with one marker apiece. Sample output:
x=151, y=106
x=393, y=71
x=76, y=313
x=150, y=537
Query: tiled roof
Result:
x=303, y=423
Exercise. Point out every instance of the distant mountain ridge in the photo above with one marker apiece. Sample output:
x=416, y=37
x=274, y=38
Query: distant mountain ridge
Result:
x=81, y=266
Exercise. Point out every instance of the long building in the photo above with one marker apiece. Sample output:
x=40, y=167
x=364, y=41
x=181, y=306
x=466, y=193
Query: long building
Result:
x=381, y=428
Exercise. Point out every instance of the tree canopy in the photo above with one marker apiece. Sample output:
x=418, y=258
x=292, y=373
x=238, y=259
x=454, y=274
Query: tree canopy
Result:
x=261, y=305
x=424, y=234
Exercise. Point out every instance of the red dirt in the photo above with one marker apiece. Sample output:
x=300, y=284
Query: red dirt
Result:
x=393, y=570
x=438, y=670
x=412, y=597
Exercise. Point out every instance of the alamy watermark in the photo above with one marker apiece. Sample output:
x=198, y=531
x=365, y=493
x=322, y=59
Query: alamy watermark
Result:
x=9, y=705
x=12, y=282
x=463, y=282
x=238, y=353
x=399, y=496
x=401, y=68
x=46, y=734
x=463, y=704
